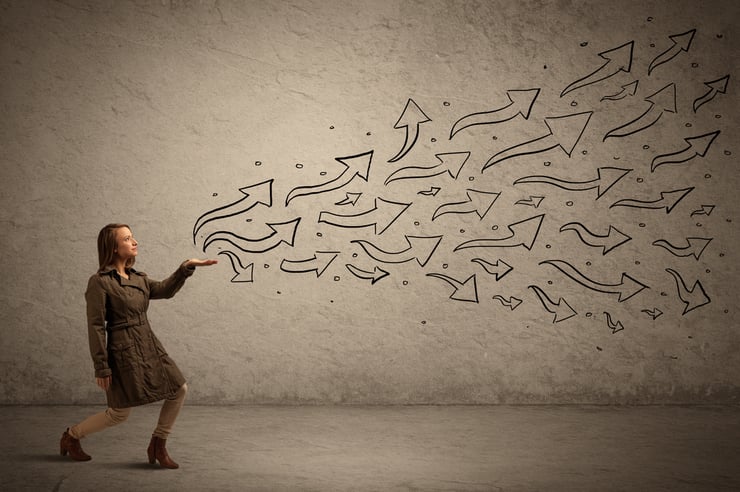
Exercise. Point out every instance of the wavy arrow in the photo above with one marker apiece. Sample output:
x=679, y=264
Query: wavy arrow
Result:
x=704, y=210
x=431, y=191
x=613, y=238
x=354, y=165
x=532, y=201
x=660, y=102
x=464, y=291
x=410, y=119
x=479, y=202
x=560, y=309
x=695, y=246
x=698, y=146
x=283, y=232
x=607, y=177
x=511, y=303
x=381, y=216
x=377, y=273
x=498, y=268
x=618, y=59
x=260, y=193
x=350, y=199
x=681, y=42
x=654, y=313
x=718, y=86
x=523, y=233
x=627, y=90
x=565, y=132
x=614, y=327
x=318, y=263
x=626, y=288
x=420, y=248
x=521, y=101
x=242, y=273
x=450, y=163
x=692, y=299
x=667, y=200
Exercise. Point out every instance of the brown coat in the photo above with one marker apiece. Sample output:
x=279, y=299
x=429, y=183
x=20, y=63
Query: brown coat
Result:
x=122, y=344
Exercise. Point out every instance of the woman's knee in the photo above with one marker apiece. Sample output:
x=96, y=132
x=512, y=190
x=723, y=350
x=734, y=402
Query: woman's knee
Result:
x=117, y=415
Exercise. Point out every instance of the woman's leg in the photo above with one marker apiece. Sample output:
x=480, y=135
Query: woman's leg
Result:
x=99, y=421
x=157, y=450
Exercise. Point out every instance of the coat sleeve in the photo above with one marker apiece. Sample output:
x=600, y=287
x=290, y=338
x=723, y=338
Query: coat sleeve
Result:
x=95, y=297
x=164, y=289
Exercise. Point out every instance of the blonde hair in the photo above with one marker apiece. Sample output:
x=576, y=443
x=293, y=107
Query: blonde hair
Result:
x=107, y=246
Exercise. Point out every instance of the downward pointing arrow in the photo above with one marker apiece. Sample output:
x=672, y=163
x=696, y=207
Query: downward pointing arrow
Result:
x=464, y=291
x=692, y=299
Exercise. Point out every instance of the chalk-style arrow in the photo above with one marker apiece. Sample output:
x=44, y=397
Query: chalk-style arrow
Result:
x=667, y=200
x=431, y=191
x=410, y=119
x=607, y=177
x=350, y=199
x=695, y=246
x=627, y=90
x=354, y=165
x=464, y=291
x=618, y=59
x=381, y=216
x=318, y=263
x=697, y=146
x=260, y=193
x=511, y=303
x=478, y=202
x=654, y=313
x=681, y=42
x=377, y=273
x=565, y=132
x=560, y=309
x=612, y=239
x=449, y=162
x=499, y=268
x=692, y=299
x=613, y=326
x=520, y=103
x=718, y=86
x=660, y=102
x=704, y=210
x=283, y=232
x=532, y=201
x=523, y=233
x=420, y=248
x=242, y=273
x=626, y=288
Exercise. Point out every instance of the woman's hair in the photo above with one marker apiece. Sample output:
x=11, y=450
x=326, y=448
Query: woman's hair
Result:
x=107, y=246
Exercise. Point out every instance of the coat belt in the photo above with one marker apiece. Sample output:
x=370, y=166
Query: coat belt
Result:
x=135, y=320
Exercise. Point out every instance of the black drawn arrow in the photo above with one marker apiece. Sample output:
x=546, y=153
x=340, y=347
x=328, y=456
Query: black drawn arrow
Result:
x=377, y=273
x=618, y=59
x=697, y=146
x=520, y=103
x=532, y=201
x=692, y=299
x=420, y=248
x=511, y=303
x=612, y=239
x=242, y=273
x=718, y=86
x=350, y=199
x=627, y=90
x=283, y=232
x=695, y=246
x=607, y=177
x=626, y=288
x=381, y=216
x=667, y=200
x=463, y=291
x=613, y=326
x=410, y=119
x=450, y=163
x=354, y=165
x=523, y=233
x=704, y=210
x=499, y=268
x=318, y=263
x=662, y=101
x=654, y=313
x=560, y=309
x=478, y=202
x=431, y=191
x=681, y=42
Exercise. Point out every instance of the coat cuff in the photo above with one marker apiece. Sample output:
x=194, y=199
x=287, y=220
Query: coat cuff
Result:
x=103, y=373
x=187, y=271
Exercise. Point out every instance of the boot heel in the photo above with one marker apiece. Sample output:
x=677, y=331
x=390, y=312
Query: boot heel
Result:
x=150, y=452
x=62, y=451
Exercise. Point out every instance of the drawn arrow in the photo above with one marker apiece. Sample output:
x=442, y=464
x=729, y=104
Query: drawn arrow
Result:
x=704, y=210
x=681, y=42
x=410, y=119
x=565, y=132
x=560, y=309
x=350, y=199
x=667, y=200
x=627, y=90
x=695, y=246
x=499, y=268
x=464, y=291
x=654, y=313
x=354, y=165
x=431, y=191
x=614, y=327
x=520, y=103
x=511, y=303
x=523, y=233
x=718, y=86
x=698, y=146
x=243, y=273
x=662, y=101
x=283, y=232
x=318, y=263
x=381, y=216
x=692, y=299
x=626, y=288
x=618, y=59
x=607, y=177
x=450, y=162
x=532, y=201
x=260, y=193
x=377, y=273
x=420, y=248
x=613, y=238
x=479, y=202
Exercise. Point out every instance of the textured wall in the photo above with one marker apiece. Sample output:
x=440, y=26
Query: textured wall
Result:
x=411, y=202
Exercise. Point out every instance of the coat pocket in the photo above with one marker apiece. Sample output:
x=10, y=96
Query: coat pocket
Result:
x=122, y=355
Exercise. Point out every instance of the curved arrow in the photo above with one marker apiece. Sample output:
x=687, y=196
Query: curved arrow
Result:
x=692, y=299
x=613, y=238
x=420, y=248
x=521, y=101
x=479, y=202
x=662, y=101
x=431, y=191
x=698, y=146
x=614, y=327
x=718, y=86
x=704, y=210
x=377, y=273
x=560, y=309
x=410, y=119
x=283, y=232
x=511, y=303
x=350, y=199
x=464, y=291
x=681, y=42
x=381, y=216
x=626, y=288
x=532, y=201
x=618, y=59
x=565, y=132
x=627, y=90
x=654, y=313
x=523, y=233
x=242, y=273
x=260, y=193
x=607, y=177
x=354, y=165
x=450, y=162
x=498, y=268
x=695, y=246
x=318, y=263
x=667, y=200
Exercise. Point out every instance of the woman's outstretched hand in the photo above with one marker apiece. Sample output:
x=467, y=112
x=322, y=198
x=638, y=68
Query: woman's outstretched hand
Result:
x=195, y=262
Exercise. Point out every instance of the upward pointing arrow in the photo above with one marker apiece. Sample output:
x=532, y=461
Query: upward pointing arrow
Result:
x=681, y=42
x=354, y=165
x=521, y=102
x=618, y=60
x=410, y=119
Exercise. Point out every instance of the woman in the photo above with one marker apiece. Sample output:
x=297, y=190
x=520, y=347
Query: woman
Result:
x=131, y=365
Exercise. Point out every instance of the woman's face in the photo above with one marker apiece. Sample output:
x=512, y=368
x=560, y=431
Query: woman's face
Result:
x=126, y=245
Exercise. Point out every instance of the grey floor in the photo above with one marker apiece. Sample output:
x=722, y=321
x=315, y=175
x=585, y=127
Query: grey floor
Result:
x=405, y=448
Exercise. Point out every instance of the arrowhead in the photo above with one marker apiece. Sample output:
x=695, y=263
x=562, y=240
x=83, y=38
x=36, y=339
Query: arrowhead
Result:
x=701, y=144
x=563, y=311
x=260, y=192
x=285, y=231
x=673, y=197
x=719, y=85
x=567, y=130
x=482, y=201
x=698, y=244
x=523, y=100
x=378, y=273
x=614, y=238
x=665, y=98
x=683, y=40
x=412, y=115
x=453, y=161
x=358, y=164
x=629, y=287
x=323, y=260
x=526, y=230
x=468, y=291
x=631, y=88
x=621, y=56
x=608, y=177
x=386, y=212
x=246, y=275
x=423, y=247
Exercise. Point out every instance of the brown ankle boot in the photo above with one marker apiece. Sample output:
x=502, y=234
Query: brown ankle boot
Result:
x=157, y=450
x=70, y=445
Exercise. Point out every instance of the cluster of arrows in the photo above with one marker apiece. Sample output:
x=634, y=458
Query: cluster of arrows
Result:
x=560, y=133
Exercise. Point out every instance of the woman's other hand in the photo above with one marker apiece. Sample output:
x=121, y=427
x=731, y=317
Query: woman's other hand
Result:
x=104, y=383
x=195, y=262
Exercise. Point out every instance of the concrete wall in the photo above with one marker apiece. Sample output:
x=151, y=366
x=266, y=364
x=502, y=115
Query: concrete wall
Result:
x=482, y=202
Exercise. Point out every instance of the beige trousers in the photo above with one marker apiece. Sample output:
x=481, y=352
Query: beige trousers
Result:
x=114, y=416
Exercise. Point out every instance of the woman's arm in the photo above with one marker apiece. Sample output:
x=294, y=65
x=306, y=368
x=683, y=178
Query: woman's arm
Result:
x=95, y=297
x=168, y=287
